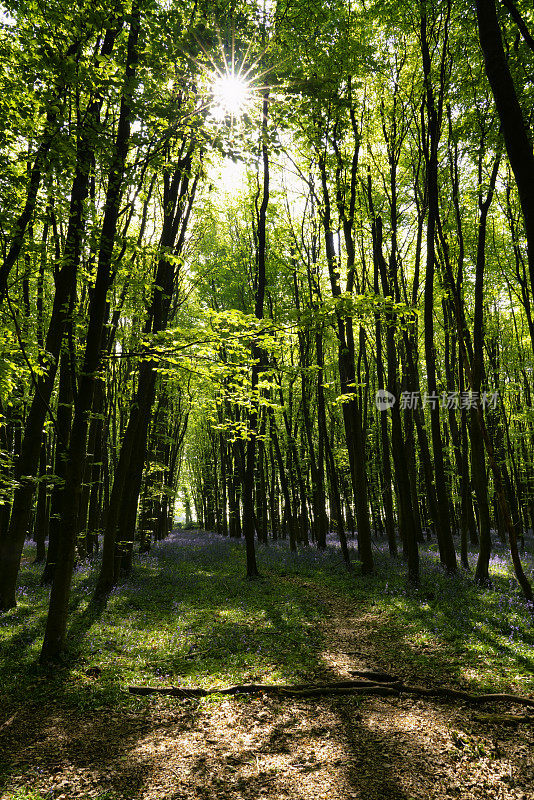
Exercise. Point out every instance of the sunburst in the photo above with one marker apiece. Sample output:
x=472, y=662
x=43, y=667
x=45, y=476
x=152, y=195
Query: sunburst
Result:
x=234, y=84
x=232, y=94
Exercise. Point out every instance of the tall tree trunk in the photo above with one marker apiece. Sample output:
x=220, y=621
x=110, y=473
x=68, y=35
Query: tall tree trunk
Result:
x=444, y=532
x=248, y=476
x=513, y=123
x=478, y=464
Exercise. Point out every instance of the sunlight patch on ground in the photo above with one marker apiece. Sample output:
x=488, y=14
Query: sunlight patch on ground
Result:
x=471, y=675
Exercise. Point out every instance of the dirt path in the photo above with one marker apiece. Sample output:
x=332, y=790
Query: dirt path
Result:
x=278, y=749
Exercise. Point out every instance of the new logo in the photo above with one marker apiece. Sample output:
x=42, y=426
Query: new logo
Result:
x=384, y=399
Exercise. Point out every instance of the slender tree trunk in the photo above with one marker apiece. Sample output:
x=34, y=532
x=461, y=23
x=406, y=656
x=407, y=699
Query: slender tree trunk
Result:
x=40, y=529
x=478, y=464
x=248, y=476
x=444, y=533
x=289, y=516
x=387, y=494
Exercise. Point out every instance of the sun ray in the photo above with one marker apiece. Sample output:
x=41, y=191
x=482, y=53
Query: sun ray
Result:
x=233, y=51
x=223, y=52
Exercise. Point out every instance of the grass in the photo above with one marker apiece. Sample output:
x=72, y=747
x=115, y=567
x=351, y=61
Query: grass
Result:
x=187, y=617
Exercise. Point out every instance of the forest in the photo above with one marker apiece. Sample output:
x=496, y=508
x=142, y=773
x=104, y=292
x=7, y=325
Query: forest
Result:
x=266, y=399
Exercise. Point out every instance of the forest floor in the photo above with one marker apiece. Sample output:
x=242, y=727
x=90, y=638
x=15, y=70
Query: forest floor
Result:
x=187, y=617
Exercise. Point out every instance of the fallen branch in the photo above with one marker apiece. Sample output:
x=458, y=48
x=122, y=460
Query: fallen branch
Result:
x=383, y=684
x=289, y=690
x=457, y=694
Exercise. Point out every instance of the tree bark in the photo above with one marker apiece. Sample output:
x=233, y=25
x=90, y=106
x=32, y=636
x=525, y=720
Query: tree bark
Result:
x=444, y=533
x=517, y=136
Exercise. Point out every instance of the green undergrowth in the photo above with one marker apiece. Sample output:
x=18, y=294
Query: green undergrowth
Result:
x=187, y=617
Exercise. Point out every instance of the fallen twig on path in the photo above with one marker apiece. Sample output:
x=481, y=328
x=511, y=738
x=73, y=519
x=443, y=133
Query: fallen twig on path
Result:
x=288, y=690
x=382, y=684
x=461, y=694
